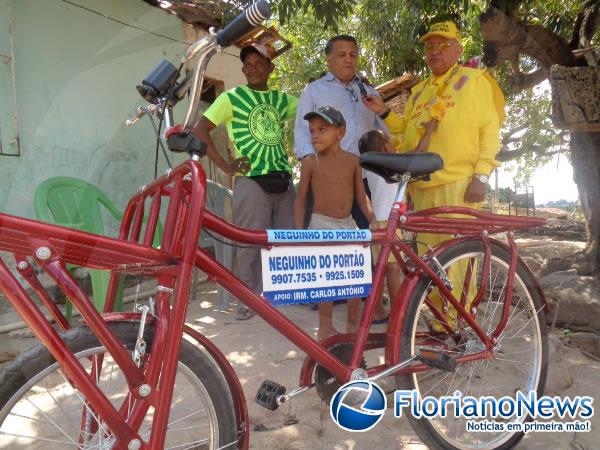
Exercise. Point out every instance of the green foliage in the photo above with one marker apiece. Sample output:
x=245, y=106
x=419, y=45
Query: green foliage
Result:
x=557, y=16
x=528, y=133
x=388, y=32
x=327, y=13
x=306, y=61
x=391, y=28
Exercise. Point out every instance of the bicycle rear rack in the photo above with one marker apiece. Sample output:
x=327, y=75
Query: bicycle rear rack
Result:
x=471, y=222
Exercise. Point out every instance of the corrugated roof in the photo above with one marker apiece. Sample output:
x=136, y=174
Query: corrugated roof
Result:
x=202, y=13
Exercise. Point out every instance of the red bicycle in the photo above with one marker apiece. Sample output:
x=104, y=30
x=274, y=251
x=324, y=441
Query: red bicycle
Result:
x=469, y=314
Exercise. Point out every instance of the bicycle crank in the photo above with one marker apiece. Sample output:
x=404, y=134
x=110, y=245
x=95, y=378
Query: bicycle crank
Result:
x=433, y=358
x=325, y=382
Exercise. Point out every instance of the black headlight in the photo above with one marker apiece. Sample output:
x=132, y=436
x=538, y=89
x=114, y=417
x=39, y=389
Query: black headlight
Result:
x=158, y=81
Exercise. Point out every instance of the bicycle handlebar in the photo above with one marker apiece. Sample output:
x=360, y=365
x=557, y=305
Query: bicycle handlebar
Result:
x=140, y=112
x=249, y=19
x=244, y=23
x=207, y=46
x=204, y=48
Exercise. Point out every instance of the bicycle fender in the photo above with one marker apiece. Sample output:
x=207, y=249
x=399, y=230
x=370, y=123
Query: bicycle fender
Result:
x=237, y=393
x=235, y=387
x=444, y=245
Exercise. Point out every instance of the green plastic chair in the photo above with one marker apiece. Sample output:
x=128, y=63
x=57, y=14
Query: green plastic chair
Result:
x=78, y=204
x=216, y=199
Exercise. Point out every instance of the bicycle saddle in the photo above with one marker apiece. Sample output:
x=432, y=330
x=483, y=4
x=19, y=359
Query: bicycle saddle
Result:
x=392, y=165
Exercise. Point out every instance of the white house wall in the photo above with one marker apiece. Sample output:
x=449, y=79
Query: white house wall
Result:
x=75, y=78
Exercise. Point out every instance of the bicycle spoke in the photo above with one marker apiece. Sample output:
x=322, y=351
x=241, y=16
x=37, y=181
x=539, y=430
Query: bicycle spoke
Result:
x=59, y=406
x=514, y=363
x=37, y=438
x=451, y=383
x=515, y=353
x=186, y=417
x=435, y=385
x=512, y=316
x=191, y=427
x=493, y=313
x=188, y=445
x=527, y=323
x=49, y=419
x=83, y=402
x=61, y=416
x=491, y=286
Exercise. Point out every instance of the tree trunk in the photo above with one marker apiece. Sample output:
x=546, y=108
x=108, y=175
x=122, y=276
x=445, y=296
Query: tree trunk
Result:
x=508, y=39
x=585, y=157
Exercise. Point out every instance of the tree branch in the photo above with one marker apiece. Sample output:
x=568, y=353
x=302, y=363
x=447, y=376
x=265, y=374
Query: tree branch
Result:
x=508, y=138
x=588, y=27
x=508, y=155
x=560, y=151
x=523, y=81
x=505, y=38
x=574, y=41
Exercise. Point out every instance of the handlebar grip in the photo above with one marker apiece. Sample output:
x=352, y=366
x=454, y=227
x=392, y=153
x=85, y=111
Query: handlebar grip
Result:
x=244, y=23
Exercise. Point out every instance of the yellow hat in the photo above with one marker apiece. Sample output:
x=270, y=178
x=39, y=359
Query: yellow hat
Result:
x=447, y=29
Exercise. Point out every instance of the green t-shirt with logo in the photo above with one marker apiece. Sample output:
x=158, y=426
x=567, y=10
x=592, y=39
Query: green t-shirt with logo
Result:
x=255, y=122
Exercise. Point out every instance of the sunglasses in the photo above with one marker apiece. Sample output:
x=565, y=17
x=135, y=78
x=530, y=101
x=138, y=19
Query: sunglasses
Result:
x=352, y=93
x=441, y=46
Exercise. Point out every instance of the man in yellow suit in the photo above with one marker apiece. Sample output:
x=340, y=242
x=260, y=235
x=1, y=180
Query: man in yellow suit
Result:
x=456, y=112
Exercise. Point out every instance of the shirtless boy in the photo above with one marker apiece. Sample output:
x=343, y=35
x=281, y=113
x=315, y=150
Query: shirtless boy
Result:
x=335, y=179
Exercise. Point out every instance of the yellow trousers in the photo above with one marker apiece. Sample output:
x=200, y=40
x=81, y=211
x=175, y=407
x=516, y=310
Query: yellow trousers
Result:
x=451, y=194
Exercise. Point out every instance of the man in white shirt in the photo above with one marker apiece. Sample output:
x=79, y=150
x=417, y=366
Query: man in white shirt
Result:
x=341, y=89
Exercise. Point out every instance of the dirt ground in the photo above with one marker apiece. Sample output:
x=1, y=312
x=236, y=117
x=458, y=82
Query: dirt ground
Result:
x=257, y=352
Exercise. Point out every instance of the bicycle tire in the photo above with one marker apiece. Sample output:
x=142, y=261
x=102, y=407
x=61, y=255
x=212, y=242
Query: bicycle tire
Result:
x=437, y=433
x=25, y=377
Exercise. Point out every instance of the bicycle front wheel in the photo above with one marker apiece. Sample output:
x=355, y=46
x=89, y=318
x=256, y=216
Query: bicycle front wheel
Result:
x=40, y=409
x=519, y=362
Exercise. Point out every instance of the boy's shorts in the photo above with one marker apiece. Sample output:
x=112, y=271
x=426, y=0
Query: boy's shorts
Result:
x=321, y=222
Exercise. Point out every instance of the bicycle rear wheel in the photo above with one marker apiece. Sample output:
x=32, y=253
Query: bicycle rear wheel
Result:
x=40, y=409
x=519, y=362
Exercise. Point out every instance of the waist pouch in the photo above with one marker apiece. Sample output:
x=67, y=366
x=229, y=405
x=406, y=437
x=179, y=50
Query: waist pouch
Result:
x=273, y=182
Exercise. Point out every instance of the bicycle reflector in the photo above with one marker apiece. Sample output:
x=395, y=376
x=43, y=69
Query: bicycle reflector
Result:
x=157, y=82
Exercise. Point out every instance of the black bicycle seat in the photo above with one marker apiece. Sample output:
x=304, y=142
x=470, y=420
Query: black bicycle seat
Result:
x=392, y=165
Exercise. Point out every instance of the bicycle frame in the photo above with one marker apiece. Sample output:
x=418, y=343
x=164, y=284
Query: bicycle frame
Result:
x=53, y=246
x=363, y=340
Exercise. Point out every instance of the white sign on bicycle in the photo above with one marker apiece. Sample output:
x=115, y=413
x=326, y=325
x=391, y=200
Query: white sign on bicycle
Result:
x=307, y=274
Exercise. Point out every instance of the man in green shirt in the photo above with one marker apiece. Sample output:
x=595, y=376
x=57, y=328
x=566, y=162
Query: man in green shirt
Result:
x=263, y=193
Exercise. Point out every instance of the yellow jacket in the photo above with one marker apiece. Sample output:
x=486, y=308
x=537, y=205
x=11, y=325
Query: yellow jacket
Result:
x=471, y=107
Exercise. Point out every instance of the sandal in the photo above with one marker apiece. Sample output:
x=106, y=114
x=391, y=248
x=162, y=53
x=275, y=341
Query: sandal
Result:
x=244, y=313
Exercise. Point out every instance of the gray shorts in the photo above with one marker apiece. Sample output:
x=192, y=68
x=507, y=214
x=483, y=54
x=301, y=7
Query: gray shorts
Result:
x=321, y=222
x=255, y=208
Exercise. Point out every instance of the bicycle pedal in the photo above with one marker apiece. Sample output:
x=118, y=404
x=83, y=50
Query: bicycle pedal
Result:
x=267, y=394
x=437, y=360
